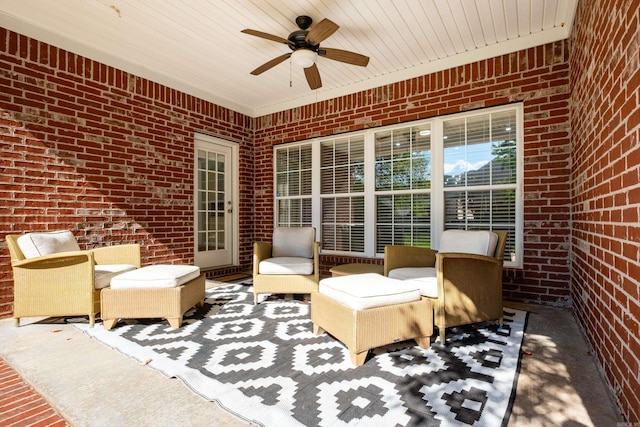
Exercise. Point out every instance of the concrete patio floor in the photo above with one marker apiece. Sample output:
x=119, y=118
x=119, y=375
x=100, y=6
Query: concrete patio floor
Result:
x=90, y=384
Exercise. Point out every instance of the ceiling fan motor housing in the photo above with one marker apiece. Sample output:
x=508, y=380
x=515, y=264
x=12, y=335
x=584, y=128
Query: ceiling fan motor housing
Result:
x=297, y=39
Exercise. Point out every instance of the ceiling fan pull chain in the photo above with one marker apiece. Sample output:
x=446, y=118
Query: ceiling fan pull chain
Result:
x=290, y=74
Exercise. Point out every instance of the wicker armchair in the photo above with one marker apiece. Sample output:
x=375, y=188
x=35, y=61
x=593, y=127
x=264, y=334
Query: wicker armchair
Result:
x=463, y=287
x=65, y=283
x=290, y=264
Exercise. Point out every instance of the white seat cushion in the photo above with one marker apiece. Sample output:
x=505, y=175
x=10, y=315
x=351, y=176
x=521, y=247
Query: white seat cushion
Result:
x=363, y=291
x=422, y=277
x=286, y=265
x=156, y=276
x=469, y=242
x=104, y=273
x=293, y=242
x=45, y=243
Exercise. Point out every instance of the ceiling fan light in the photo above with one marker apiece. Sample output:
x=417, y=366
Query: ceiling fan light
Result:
x=303, y=58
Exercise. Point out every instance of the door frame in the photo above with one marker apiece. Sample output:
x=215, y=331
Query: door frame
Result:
x=233, y=174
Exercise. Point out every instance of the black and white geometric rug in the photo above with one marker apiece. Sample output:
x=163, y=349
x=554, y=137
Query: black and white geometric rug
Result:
x=264, y=364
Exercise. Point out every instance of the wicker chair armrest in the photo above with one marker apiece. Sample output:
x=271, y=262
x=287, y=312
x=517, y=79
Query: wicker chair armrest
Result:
x=469, y=289
x=316, y=259
x=261, y=251
x=477, y=277
x=399, y=256
x=60, y=274
x=61, y=259
x=118, y=254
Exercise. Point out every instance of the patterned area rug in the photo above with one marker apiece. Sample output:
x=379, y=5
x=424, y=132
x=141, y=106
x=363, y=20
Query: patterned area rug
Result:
x=264, y=364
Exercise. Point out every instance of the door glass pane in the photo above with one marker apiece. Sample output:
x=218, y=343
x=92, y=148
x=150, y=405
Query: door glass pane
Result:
x=211, y=241
x=220, y=186
x=211, y=201
x=202, y=179
x=202, y=222
x=202, y=242
x=202, y=159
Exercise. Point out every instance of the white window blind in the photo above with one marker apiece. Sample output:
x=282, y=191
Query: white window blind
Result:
x=480, y=177
x=293, y=186
x=402, y=186
x=342, y=194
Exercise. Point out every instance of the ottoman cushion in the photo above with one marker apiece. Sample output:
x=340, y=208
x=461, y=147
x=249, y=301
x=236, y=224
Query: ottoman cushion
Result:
x=363, y=291
x=156, y=276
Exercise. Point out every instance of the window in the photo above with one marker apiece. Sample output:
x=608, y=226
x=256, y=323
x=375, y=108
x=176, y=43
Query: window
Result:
x=293, y=186
x=342, y=194
x=480, y=174
x=402, y=186
x=405, y=184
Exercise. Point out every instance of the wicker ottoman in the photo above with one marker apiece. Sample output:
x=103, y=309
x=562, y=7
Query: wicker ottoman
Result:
x=366, y=311
x=155, y=291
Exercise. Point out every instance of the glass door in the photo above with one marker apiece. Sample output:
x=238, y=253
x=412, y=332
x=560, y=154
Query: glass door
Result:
x=214, y=230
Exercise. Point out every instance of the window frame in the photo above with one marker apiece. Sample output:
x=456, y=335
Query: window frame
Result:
x=436, y=190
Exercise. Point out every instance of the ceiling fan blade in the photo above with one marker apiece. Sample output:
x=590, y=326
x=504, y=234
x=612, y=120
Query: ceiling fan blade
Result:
x=344, y=56
x=321, y=31
x=270, y=64
x=313, y=77
x=266, y=36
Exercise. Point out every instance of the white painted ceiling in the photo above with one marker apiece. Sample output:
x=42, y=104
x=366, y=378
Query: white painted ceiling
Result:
x=197, y=46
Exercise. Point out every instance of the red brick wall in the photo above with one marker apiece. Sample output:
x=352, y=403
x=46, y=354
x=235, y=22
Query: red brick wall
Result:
x=605, y=122
x=104, y=153
x=539, y=77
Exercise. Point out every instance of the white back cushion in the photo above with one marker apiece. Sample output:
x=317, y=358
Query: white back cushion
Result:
x=469, y=242
x=50, y=242
x=293, y=242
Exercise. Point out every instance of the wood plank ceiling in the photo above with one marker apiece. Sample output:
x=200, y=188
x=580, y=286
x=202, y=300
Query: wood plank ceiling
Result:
x=197, y=45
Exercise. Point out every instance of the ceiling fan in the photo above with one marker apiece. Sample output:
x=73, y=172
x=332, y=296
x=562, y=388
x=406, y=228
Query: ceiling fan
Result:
x=305, y=44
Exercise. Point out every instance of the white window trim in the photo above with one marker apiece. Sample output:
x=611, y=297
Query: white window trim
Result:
x=437, y=183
